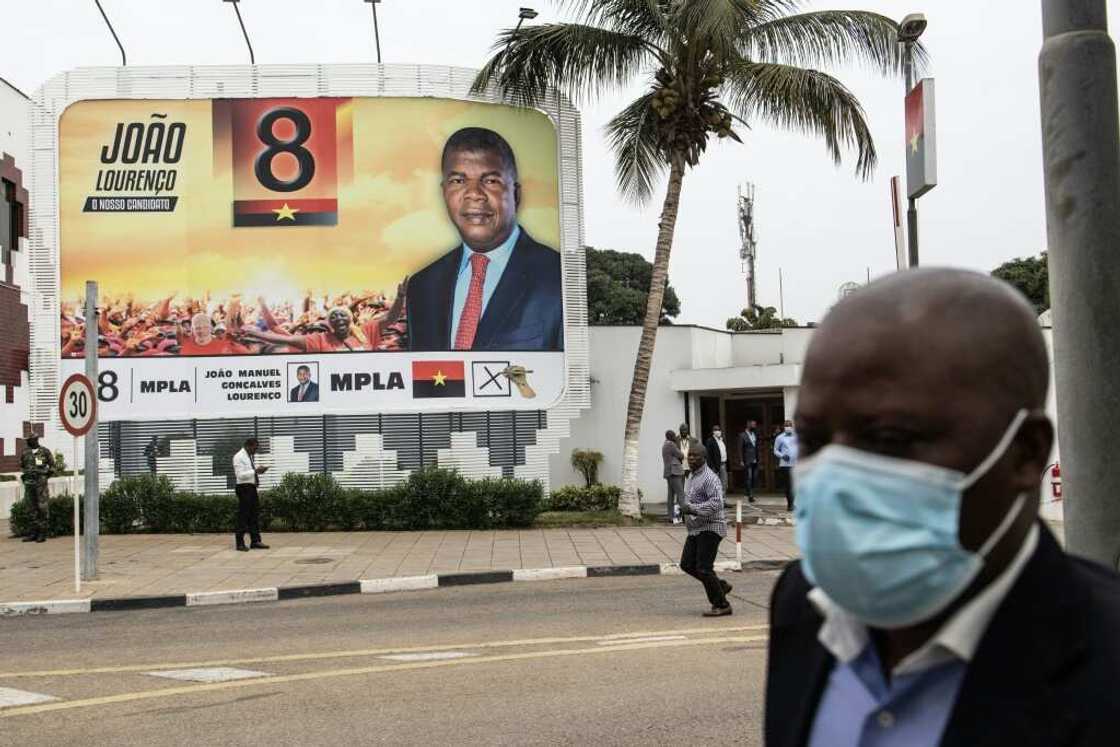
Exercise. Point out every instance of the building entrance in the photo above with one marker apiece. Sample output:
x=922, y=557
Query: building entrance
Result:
x=733, y=411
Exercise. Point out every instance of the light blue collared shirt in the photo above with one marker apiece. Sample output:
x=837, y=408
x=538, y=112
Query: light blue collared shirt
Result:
x=499, y=258
x=860, y=707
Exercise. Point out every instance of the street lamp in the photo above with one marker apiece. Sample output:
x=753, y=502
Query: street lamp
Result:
x=237, y=9
x=376, y=33
x=523, y=14
x=909, y=31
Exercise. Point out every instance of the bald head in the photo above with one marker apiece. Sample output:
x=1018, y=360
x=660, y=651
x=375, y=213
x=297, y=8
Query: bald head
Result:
x=932, y=366
x=952, y=325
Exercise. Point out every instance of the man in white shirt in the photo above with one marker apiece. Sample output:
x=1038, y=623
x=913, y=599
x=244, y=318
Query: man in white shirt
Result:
x=248, y=477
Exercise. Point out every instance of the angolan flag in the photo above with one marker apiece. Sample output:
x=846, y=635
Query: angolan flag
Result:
x=921, y=141
x=438, y=379
x=301, y=212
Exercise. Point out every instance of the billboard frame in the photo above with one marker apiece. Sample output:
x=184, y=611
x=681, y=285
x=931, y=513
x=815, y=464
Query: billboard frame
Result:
x=272, y=81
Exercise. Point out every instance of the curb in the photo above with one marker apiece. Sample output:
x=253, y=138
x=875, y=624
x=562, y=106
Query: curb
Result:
x=369, y=586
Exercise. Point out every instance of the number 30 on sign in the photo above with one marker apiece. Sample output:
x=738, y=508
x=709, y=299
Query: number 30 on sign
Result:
x=77, y=405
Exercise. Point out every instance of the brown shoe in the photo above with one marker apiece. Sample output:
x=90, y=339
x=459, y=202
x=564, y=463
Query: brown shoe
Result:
x=718, y=611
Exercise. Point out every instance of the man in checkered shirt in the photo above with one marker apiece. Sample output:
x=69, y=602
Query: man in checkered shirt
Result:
x=707, y=526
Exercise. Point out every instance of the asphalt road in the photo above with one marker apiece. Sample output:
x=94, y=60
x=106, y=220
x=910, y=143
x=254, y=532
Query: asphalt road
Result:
x=596, y=661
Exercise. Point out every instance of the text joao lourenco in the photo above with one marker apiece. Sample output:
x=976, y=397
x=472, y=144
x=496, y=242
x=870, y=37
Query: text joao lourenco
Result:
x=141, y=158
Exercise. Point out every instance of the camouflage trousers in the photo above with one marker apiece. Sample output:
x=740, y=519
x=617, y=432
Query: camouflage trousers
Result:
x=37, y=497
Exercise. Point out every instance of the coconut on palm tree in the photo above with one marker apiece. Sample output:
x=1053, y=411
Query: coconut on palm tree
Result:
x=707, y=67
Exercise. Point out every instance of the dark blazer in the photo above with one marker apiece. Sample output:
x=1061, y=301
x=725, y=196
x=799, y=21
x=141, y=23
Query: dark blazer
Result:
x=749, y=450
x=712, y=447
x=311, y=395
x=1044, y=674
x=526, y=311
x=672, y=458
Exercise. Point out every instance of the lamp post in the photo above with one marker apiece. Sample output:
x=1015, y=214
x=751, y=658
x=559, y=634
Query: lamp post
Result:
x=909, y=31
x=376, y=32
x=237, y=9
x=523, y=14
x=1081, y=161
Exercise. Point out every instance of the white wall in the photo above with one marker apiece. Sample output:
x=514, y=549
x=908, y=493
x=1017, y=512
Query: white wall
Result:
x=613, y=350
x=15, y=141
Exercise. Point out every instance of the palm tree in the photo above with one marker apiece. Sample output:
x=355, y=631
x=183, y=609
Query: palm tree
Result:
x=708, y=66
x=757, y=318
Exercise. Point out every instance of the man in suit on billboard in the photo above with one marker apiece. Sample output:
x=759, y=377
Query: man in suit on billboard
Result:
x=306, y=390
x=499, y=289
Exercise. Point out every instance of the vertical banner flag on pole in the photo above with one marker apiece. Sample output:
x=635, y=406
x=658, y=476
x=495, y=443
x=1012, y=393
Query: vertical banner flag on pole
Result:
x=921, y=140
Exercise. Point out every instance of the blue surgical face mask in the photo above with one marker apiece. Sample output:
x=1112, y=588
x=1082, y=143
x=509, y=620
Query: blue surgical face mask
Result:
x=880, y=535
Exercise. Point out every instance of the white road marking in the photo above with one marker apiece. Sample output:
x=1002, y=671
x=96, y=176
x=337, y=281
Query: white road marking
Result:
x=237, y=596
x=647, y=639
x=549, y=574
x=212, y=674
x=399, y=583
x=53, y=607
x=10, y=697
x=434, y=656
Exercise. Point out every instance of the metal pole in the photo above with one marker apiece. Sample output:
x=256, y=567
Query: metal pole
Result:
x=912, y=211
x=781, y=296
x=739, y=531
x=376, y=32
x=92, y=509
x=1081, y=158
x=77, y=521
x=237, y=10
x=124, y=60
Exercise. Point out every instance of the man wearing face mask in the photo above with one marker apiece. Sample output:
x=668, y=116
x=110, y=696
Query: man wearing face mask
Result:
x=786, y=449
x=717, y=455
x=931, y=606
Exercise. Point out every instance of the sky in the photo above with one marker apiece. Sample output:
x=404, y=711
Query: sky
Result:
x=818, y=225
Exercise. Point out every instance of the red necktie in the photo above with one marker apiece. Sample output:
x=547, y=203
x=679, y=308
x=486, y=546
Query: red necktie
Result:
x=472, y=309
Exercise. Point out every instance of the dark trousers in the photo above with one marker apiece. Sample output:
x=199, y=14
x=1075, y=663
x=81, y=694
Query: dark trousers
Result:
x=785, y=474
x=675, y=485
x=697, y=560
x=752, y=477
x=248, y=514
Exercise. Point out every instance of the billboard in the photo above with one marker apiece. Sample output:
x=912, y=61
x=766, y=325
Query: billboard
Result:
x=921, y=139
x=295, y=256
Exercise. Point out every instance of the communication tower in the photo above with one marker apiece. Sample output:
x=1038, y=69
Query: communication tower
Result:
x=748, y=244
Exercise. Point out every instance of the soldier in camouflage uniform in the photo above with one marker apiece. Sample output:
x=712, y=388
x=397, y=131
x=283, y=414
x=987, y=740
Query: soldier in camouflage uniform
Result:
x=36, y=464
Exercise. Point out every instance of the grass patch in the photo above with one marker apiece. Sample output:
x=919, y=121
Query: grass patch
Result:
x=561, y=519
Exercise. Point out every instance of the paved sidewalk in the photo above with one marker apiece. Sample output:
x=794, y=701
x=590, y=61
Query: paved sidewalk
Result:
x=159, y=564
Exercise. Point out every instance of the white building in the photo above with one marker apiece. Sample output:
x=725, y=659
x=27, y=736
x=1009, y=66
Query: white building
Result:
x=699, y=376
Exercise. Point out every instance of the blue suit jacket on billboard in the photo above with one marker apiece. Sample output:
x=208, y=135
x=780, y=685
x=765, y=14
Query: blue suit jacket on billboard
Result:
x=311, y=395
x=526, y=311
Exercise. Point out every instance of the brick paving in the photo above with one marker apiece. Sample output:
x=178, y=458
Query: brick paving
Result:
x=157, y=564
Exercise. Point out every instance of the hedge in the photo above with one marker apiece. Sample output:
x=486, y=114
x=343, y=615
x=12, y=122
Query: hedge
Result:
x=430, y=499
x=581, y=498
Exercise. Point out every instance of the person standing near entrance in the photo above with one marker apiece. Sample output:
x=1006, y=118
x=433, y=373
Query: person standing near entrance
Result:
x=673, y=459
x=248, y=476
x=36, y=464
x=785, y=448
x=707, y=526
x=748, y=447
x=717, y=455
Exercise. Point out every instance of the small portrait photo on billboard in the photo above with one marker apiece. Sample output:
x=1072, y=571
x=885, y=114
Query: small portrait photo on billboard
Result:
x=504, y=286
x=303, y=382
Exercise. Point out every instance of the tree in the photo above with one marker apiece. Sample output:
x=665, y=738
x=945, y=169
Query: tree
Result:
x=1031, y=276
x=760, y=317
x=707, y=65
x=617, y=286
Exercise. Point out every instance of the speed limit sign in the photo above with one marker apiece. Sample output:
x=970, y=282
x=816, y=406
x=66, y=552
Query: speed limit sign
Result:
x=77, y=405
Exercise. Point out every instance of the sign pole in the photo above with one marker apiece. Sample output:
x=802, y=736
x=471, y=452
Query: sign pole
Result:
x=92, y=509
x=77, y=412
x=77, y=522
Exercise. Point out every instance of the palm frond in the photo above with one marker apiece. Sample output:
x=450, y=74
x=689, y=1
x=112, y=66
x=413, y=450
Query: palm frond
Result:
x=579, y=60
x=633, y=138
x=828, y=38
x=805, y=100
x=712, y=25
x=644, y=18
